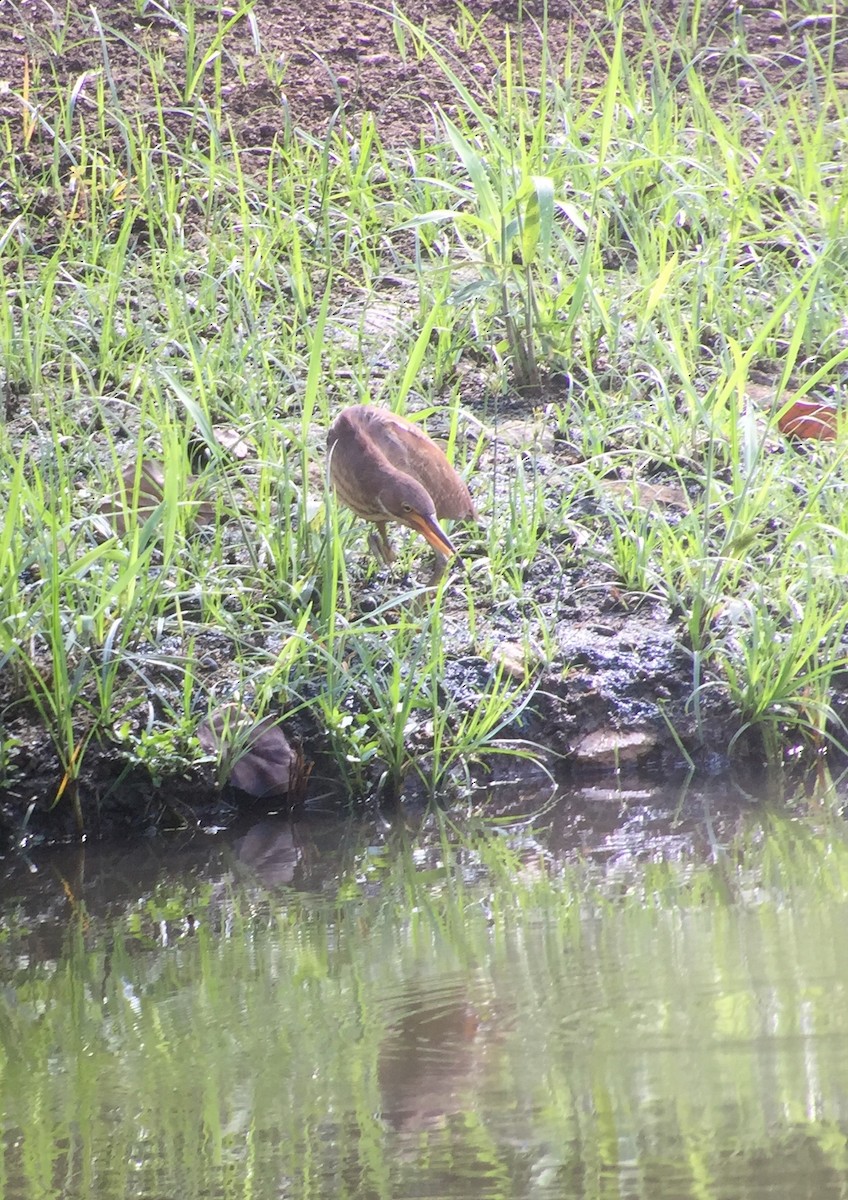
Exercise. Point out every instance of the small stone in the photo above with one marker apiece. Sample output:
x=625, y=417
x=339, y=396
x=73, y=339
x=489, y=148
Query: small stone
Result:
x=613, y=747
x=514, y=659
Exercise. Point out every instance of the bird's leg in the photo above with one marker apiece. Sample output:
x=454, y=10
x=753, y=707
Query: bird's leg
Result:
x=380, y=545
x=438, y=569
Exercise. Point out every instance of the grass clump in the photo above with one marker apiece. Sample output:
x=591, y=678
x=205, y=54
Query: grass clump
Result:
x=652, y=271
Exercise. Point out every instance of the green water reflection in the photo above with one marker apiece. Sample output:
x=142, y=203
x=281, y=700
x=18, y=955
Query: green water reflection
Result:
x=457, y=1021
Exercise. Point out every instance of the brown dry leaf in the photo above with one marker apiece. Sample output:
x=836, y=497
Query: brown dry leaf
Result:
x=144, y=489
x=809, y=419
x=668, y=495
x=231, y=440
x=799, y=418
x=254, y=756
x=142, y=493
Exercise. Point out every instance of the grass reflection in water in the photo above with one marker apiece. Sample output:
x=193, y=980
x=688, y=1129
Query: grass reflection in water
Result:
x=466, y=1015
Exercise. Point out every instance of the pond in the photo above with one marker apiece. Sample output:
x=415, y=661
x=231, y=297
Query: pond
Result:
x=603, y=1000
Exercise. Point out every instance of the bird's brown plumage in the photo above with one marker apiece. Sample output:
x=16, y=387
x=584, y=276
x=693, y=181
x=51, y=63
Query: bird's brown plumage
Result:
x=386, y=468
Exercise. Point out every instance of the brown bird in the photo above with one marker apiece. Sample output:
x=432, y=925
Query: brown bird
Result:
x=385, y=468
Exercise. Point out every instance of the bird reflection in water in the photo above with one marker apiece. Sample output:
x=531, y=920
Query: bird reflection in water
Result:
x=429, y=1060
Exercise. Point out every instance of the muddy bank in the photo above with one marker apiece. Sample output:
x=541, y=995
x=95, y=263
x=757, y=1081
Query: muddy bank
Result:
x=613, y=709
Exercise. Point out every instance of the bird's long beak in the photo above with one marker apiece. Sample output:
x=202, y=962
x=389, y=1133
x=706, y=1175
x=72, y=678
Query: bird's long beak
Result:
x=430, y=529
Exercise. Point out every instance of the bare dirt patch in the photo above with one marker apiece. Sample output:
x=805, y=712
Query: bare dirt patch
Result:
x=303, y=63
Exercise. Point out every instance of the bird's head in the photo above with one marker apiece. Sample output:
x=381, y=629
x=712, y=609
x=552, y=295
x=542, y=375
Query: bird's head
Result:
x=403, y=499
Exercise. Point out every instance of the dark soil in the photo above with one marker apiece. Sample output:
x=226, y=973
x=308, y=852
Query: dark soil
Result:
x=343, y=52
x=621, y=679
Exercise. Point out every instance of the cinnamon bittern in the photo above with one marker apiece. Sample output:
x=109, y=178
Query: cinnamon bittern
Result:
x=386, y=468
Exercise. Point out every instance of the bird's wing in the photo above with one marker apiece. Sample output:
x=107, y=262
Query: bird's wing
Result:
x=408, y=448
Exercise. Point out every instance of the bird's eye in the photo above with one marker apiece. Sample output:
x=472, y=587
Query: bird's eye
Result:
x=407, y=508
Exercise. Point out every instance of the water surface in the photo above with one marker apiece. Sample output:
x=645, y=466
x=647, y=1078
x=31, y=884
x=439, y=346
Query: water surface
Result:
x=604, y=1002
